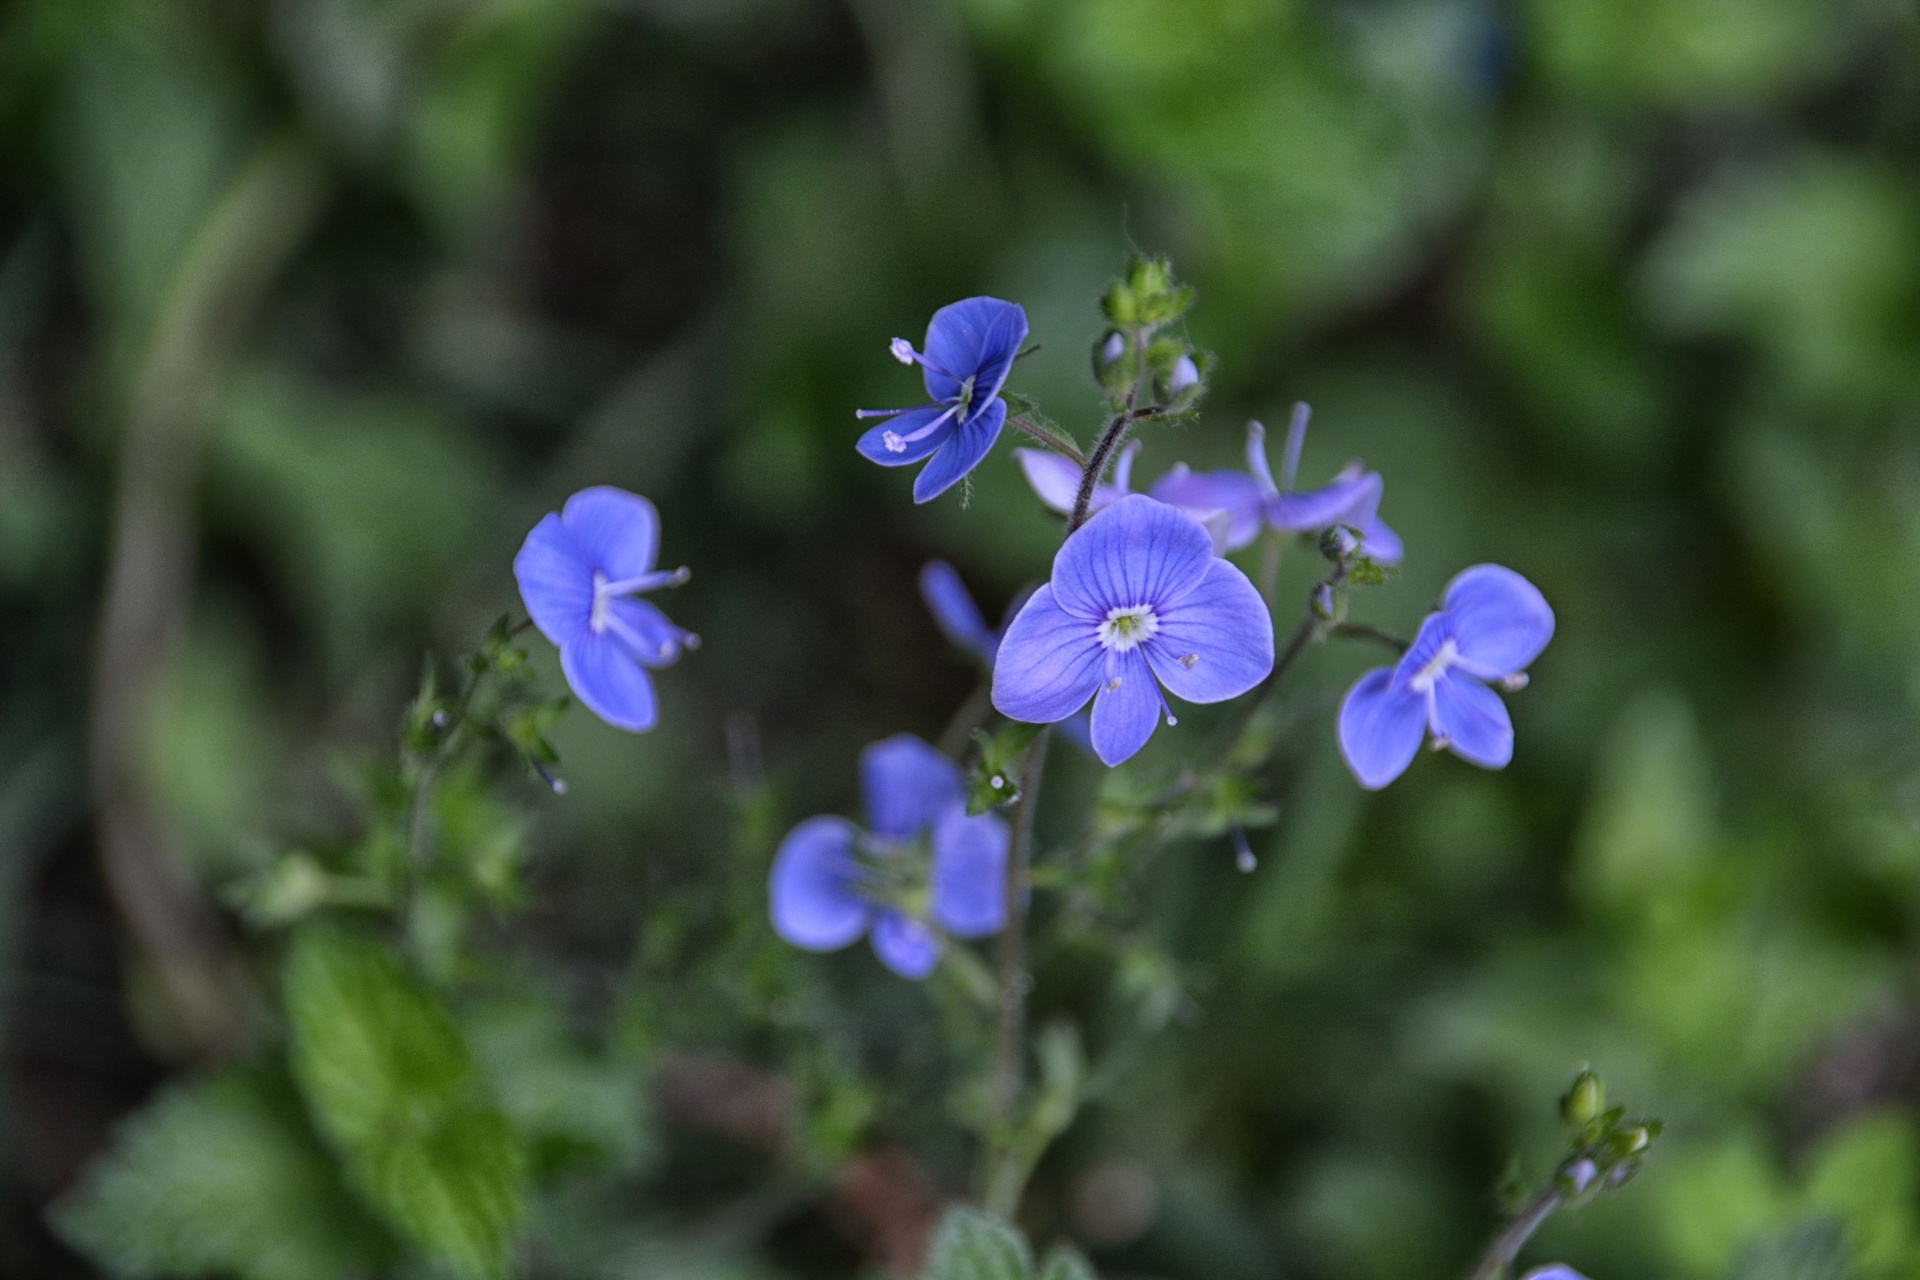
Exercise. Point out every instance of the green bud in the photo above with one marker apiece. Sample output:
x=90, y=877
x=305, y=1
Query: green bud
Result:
x=1147, y=296
x=1583, y=1102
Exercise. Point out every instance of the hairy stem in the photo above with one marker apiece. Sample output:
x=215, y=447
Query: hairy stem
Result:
x=1507, y=1245
x=1002, y=1181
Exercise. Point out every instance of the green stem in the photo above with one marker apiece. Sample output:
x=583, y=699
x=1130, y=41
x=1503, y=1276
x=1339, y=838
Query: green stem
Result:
x=1507, y=1245
x=1359, y=631
x=1003, y=1179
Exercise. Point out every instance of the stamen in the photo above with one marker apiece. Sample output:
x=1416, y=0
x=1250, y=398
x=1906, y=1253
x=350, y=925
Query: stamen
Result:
x=1440, y=742
x=1127, y=628
x=902, y=350
x=1423, y=679
x=1187, y=660
x=1113, y=684
x=1514, y=682
x=894, y=443
x=879, y=413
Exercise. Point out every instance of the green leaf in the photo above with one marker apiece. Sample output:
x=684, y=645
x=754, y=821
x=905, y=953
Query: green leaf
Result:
x=1065, y=1263
x=221, y=1175
x=992, y=782
x=392, y=1084
x=970, y=1245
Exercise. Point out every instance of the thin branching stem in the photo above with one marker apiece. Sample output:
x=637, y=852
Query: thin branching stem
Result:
x=1360, y=631
x=1009, y=1068
x=1507, y=1245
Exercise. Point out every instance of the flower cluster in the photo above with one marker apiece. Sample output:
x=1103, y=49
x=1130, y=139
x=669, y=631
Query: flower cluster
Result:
x=833, y=883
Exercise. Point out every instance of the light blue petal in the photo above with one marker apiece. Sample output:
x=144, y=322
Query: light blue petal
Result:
x=953, y=608
x=1498, y=619
x=1351, y=500
x=1054, y=479
x=905, y=945
x=1553, y=1271
x=1426, y=645
x=1049, y=662
x=1138, y=551
x=1472, y=719
x=1126, y=709
x=1380, y=542
x=962, y=452
x=646, y=632
x=556, y=582
x=608, y=682
x=908, y=786
x=873, y=444
x=969, y=874
x=974, y=338
x=813, y=892
x=617, y=531
x=1233, y=492
x=1215, y=642
x=1382, y=724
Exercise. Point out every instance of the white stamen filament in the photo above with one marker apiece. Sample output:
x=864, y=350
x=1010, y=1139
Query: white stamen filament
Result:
x=897, y=443
x=1423, y=679
x=603, y=619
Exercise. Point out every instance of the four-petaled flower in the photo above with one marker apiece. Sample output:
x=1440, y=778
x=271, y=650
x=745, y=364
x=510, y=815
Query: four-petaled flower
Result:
x=578, y=571
x=970, y=348
x=1137, y=600
x=1492, y=622
x=832, y=883
x=1553, y=1271
x=1056, y=482
x=1352, y=498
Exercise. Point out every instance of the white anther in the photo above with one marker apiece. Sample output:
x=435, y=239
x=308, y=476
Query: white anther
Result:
x=997, y=781
x=1187, y=660
x=902, y=350
x=1518, y=680
x=893, y=442
x=1113, y=684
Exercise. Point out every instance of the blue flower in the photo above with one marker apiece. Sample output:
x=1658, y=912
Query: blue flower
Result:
x=1137, y=600
x=1553, y=1271
x=1492, y=622
x=970, y=347
x=578, y=573
x=1250, y=498
x=1056, y=482
x=831, y=882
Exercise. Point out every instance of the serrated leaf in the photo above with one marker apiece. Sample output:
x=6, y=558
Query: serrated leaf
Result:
x=220, y=1176
x=971, y=1245
x=1066, y=1264
x=392, y=1085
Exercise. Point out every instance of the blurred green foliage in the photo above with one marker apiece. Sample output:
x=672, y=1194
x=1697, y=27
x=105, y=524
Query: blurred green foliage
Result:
x=1622, y=293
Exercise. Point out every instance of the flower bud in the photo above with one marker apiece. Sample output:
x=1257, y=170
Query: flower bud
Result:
x=1339, y=542
x=1323, y=604
x=1576, y=1176
x=1585, y=1100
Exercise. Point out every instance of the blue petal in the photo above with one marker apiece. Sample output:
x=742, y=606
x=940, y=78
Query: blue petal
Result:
x=1126, y=709
x=873, y=444
x=646, y=632
x=974, y=338
x=908, y=786
x=1424, y=649
x=1472, y=719
x=1233, y=492
x=608, y=682
x=1049, y=662
x=1215, y=642
x=813, y=893
x=1553, y=1271
x=556, y=582
x=953, y=608
x=969, y=874
x=1382, y=723
x=962, y=452
x=1380, y=542
x=1352, y=500
x=617, y=531
x=1499, y=620
x=1138, y=551
x=904, y=945
x=1054, y=479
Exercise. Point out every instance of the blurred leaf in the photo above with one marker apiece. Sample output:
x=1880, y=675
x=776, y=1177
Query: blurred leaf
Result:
x=1714, y=1199
x=1650, y=823
x=574, y=1106
x=221, y=1175
x=1066, y=1263
x=393, y=1086
x=969, y=1245
x=1868, y=1173
x=1813, y=1251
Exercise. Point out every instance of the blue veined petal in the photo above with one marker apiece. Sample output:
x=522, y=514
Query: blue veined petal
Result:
x=1382, y=724
x=1054, y=479
x=1472, y=719
x=1136, y=552
x=909, y=430
x=1380, y=542
x=556, y=582
x=648, y=634
x=608, y=682
x=908, y=786
x=1233, y=492
x=617, y=531
x=1126, y=709
x=1215, y=642
x=905, y=945
x=1049, y=662
x=953, y=608
x=813, y=892
x=962, y=452
x=1553, y=1271
x=1426, y=645
x=968, y=889
x=1349, y=500
x=974, y=338
x=1498, y=619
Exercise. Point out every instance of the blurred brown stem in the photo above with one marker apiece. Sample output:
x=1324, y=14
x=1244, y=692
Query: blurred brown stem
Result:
x=240, y=249
x=1002, y=1181
x=1507, y=1245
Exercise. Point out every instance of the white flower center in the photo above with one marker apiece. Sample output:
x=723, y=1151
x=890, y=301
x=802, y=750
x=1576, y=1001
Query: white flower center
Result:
x=1423, y=679
x=1128, y=628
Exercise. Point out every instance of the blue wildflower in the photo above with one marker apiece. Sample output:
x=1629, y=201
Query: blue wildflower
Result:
x=1553, y=1271
x=1137, y=600
x=970, y=349
x=578, y=572
x=1056, y=482
x=1250, y=498
x=831, y=882
x=1491, y=623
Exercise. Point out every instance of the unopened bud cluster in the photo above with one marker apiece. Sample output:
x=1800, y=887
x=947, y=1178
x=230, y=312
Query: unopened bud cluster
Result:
x=1608, y=1148
x=1133, y=360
